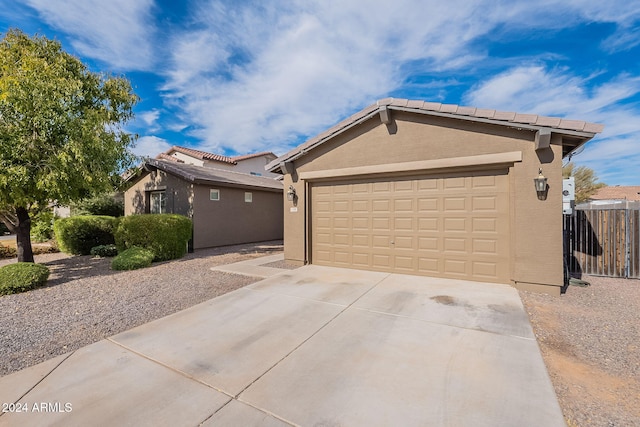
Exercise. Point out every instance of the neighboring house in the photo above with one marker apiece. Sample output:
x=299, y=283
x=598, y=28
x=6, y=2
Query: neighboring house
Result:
x=433, y=189
x=614, y=197
x=226, y=207
x=618, y=192
x=253, y=164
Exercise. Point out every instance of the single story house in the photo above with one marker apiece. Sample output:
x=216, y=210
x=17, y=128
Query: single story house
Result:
x=433, y=189
x=253, y=164
x=226, y=207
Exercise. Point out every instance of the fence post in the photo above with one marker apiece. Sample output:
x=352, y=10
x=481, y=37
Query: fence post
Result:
x=627, y=245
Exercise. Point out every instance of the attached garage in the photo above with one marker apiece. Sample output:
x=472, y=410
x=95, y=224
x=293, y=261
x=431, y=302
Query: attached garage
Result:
x=452, y=225
x=436, y=190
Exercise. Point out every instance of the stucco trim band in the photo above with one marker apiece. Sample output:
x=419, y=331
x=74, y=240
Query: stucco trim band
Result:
x=452, y=162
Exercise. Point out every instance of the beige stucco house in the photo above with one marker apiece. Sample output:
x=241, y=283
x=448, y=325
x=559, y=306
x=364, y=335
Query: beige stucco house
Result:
x=226, y=207
x=253, y=164
x=432, y=189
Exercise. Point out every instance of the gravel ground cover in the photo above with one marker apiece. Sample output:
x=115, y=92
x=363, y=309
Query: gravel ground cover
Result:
x=590, y=341
x=85, y=301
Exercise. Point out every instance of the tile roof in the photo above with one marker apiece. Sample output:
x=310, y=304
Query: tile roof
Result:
x=203, y=155
x=207, y=175
x=251, y=156
x=165, y=156
x=618, y=192
x=579, y=130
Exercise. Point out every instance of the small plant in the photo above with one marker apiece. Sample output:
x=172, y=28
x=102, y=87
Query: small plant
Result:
x=132, y=259
x=164, y=234
x=104, y=251
x=21, y=277
x=78, y=234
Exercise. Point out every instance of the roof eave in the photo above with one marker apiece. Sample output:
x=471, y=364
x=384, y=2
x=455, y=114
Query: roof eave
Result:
x=276, y=165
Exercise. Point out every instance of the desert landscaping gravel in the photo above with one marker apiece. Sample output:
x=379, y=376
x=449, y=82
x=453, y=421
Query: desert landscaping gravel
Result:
x=85, y=301
x=589, y=336
x=590, y=341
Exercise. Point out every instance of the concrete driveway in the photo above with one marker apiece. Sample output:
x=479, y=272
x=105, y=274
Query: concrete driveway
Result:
x=316, y=346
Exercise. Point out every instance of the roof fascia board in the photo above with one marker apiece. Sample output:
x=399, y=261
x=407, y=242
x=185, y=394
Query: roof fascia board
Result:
x=514, y=125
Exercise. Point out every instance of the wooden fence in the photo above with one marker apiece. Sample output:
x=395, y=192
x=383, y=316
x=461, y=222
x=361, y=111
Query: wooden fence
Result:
x=603, y=242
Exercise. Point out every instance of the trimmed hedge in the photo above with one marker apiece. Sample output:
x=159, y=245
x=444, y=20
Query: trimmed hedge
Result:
x=105, y=251
x=166, y=235
x=78, y=234
x=132, y=259
x=21, y=277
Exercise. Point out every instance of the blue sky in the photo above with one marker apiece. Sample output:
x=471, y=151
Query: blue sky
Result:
x=242, y=76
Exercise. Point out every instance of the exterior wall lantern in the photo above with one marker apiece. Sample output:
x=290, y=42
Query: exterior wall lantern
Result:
x=541, y=185
x=291, y=194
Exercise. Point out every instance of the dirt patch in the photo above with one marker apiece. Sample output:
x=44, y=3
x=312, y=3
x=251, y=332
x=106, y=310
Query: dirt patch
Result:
x=588, y=339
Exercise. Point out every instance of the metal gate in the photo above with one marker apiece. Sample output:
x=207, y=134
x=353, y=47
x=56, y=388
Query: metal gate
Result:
x=603, y=241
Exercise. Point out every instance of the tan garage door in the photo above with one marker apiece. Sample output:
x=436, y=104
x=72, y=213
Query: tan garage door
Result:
x=454, y=225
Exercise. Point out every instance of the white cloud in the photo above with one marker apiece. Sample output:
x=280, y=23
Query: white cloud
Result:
x=150, y=119
x=298, y=69
x=150, y=146
x=117, y=32
x=261, y=75
x=557, y=92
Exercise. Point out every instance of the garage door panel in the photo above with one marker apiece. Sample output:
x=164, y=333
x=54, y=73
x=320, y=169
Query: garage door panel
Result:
x=381, y=261
x=361, y=259
x=484, y=225
x=484, y=246
x=360, y=206
x=403, y=205
x=455, y=204
x=484, y=203
x=457, y=267
x=447, y=226
x=455, y=245
x=426, y=205
x=404, y=242
x=455, y=225
x=428, y=224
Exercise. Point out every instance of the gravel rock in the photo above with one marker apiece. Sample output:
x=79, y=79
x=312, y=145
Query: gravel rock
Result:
x=589, y=341
x=85, y=301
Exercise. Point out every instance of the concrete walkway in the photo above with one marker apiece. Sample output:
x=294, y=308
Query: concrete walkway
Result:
x=311, y=346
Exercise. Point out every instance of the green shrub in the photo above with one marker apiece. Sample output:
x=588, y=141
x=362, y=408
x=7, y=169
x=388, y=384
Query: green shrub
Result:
x=78, y=234
x=166, y=235
x=42, y=226
x=105, y=251
x=21, y=277
x=104, y=205
x=132, y=259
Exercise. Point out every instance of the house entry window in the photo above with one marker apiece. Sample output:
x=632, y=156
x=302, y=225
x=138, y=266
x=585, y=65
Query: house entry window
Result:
x=158, y=203
x=248, y=197
x=214, y=194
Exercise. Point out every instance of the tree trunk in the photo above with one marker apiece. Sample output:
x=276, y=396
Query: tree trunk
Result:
x=23, y=236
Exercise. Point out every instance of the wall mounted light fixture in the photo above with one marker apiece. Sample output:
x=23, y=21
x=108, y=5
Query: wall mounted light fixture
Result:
x=291, y=194
x=541, y=185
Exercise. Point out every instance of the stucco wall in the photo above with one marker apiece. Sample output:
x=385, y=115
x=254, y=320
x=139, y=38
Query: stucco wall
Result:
x=231, y=220
x=177, y=191
x=536, y=225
